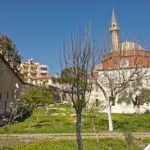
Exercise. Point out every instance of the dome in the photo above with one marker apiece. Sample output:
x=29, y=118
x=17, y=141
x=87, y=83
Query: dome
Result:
x=130, y=46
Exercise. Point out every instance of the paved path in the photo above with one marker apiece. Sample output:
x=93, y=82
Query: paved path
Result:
x=67, y=136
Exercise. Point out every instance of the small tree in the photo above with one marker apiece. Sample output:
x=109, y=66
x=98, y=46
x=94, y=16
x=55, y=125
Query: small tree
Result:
x=36, y=96
x=131, y=94
x=93, y=108
x=79, y=61
x=130, y=141
x=135, y=94
x=145, y=95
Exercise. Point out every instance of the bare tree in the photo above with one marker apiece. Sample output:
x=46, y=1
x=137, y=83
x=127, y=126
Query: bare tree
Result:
x=79, y=60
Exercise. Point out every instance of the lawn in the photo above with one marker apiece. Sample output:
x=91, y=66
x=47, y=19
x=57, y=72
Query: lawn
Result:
x=103, y=144
x=111, y=144
x=61, y=119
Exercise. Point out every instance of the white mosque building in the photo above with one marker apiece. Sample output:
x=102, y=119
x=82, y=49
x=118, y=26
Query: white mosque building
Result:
x=126, y=63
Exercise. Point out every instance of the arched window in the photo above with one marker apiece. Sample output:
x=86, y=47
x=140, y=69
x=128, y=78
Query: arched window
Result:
x=7, y=95
x=12, y=94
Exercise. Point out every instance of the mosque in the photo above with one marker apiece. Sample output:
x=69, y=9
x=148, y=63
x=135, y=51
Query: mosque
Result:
x=125, y=60
x=124, y=51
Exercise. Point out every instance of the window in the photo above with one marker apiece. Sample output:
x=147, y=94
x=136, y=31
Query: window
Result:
x=43, y=68
x=97, y=102
x=43, y=74
x=7, y=95
x=12, y=94
x=0, y=96
x=97, y=88
x=124, y=63
x=5, y=106
x=147, y=82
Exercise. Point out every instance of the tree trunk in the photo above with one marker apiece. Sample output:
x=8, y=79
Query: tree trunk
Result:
x=78, y=129
x=47, y=110
x=109, y=113
x=37, y=117
x=109, y=116
x=137, y=109
x=94, y=129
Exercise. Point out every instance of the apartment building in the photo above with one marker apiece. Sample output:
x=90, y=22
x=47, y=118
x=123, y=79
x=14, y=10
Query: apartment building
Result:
x=34, y=73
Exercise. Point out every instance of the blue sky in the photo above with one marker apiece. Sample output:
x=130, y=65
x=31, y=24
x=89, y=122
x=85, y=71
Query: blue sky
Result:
x=39, y=27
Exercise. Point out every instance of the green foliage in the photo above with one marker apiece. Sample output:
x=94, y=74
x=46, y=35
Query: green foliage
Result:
x=35, y=96
x=75, y=77
x=78, y=83
x=129, y=140
x=146, y=140
x=10, y=50
x=67, y=76
x=127, y=94
x=125, y=97
x=145, y=95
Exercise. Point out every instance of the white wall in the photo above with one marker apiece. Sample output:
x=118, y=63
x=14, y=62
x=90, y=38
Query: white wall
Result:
x=10, y=86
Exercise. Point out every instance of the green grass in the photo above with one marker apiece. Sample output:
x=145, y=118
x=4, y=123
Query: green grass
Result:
x=104, y=144
x=61, y=119
x=146, y=140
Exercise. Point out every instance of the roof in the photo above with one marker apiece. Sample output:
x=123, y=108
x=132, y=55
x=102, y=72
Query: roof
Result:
x=126, y=59
x=130, y=46
x=11, y=69
x=41, y=77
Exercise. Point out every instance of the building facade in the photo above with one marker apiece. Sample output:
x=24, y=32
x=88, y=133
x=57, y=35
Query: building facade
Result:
x=10, y=86
x=34, y=73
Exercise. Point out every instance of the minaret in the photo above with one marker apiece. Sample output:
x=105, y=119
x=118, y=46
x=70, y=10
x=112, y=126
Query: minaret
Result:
x=114, y=30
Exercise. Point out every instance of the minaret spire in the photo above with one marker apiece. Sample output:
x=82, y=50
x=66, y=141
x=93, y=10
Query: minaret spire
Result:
x=114, y=30
x=113, y=19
